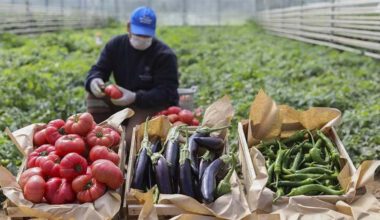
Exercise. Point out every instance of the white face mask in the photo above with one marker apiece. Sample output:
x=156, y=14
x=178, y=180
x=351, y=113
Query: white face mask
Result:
x=140, y=43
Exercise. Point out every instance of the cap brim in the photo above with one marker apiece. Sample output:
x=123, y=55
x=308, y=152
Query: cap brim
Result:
x=140, y=30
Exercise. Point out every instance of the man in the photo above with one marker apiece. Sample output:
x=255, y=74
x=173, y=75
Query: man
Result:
x=144, y=68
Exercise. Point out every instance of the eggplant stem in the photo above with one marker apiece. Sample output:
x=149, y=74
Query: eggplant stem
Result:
x=155, y=157
x=208, y=155
x=208, y=130
x=224, y=186
x=156, y=194
x=184, y=154
x=226, y=158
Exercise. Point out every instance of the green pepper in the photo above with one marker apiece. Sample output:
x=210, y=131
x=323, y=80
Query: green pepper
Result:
x=278, y=162
x=298, y=136
x=295, y=183
x=327, y=155
x=314, y=164
x=270, y=173
x=280, y=192
x=302, y=176
x=314, y=189
x=286, y=159
x=265, y=144
x=296, y=161
x=268, y=162
x=319, y=170
x=269, y=153
x=333, y=151
x=308, y=145
x=315, y=154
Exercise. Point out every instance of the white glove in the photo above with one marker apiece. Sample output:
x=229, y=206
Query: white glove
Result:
x=127, y=98
x=96, y=87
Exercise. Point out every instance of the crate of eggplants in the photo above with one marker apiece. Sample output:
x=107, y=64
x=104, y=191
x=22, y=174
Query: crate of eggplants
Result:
x=189, y=162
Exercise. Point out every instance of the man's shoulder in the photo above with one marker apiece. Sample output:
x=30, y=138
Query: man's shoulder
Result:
x=163, y=48
x=118, y=39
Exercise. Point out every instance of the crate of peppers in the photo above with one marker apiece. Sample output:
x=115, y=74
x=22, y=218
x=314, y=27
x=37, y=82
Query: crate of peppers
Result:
x=288, y=153
x=72, y=168
x=178, y=169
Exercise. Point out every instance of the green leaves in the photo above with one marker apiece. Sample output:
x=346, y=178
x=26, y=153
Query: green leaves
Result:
x=240, y=60
x=44, y=76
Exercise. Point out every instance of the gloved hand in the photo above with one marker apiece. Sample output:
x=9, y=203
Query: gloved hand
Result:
x=127, y=98
x=96, y=87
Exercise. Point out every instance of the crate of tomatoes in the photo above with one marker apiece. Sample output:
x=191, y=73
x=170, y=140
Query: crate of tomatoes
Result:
x=181, y=116
x=72, y=168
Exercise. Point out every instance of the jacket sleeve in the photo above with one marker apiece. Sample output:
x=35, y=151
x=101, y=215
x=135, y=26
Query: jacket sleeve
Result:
x=103, y=67
x=165, y=80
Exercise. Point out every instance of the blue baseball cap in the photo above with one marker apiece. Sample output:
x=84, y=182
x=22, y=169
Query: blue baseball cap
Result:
x=143, y=21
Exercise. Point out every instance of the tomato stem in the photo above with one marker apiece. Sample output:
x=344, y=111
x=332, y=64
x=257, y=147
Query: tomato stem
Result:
x=78, y=168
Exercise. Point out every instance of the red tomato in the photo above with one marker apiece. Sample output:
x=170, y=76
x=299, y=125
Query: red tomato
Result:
x=173, y=110
x=101, y=152
x=34, y=189
x=99, y=136
x=54, y=131
x=108, y=173
x=79, y=124
x=186, y=116
x=165, y=112
x=93, y=125
x=35, y=171
x=195, y=122
x=88, y=189
x=56, y=123
x=72, y=165
x=116, y=136
x=173, y=118
x=39, y=138
x=70, y=143
x=39, y=153
x=113, y=91
x=50, y=165
x=59, y=191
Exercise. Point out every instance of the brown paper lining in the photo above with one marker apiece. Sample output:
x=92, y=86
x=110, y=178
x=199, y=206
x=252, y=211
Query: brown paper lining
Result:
x=103, y=208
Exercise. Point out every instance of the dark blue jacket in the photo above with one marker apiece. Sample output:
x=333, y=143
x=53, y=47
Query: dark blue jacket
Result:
x=152, y=73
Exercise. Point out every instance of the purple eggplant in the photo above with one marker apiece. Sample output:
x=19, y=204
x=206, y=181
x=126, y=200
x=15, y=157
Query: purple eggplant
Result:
x=156, y=146
x=172, y=157
x=161, y=169
x=151, y=178
x=141, y=165
x=186, y=180
x=193, y=149
x=193, y=146
x=172, y=150
x=208, y=184
x=210, y=143
x=139, y=177
x=206, y=160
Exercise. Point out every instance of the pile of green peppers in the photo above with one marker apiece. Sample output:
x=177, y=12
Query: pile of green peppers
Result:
x=306, y=163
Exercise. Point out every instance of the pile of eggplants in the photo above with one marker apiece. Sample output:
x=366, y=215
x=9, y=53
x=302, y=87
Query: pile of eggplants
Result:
x=191, y=163
x=306, y=163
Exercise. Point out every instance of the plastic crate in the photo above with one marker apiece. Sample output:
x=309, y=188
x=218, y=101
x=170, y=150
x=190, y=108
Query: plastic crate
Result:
x=186, y=97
